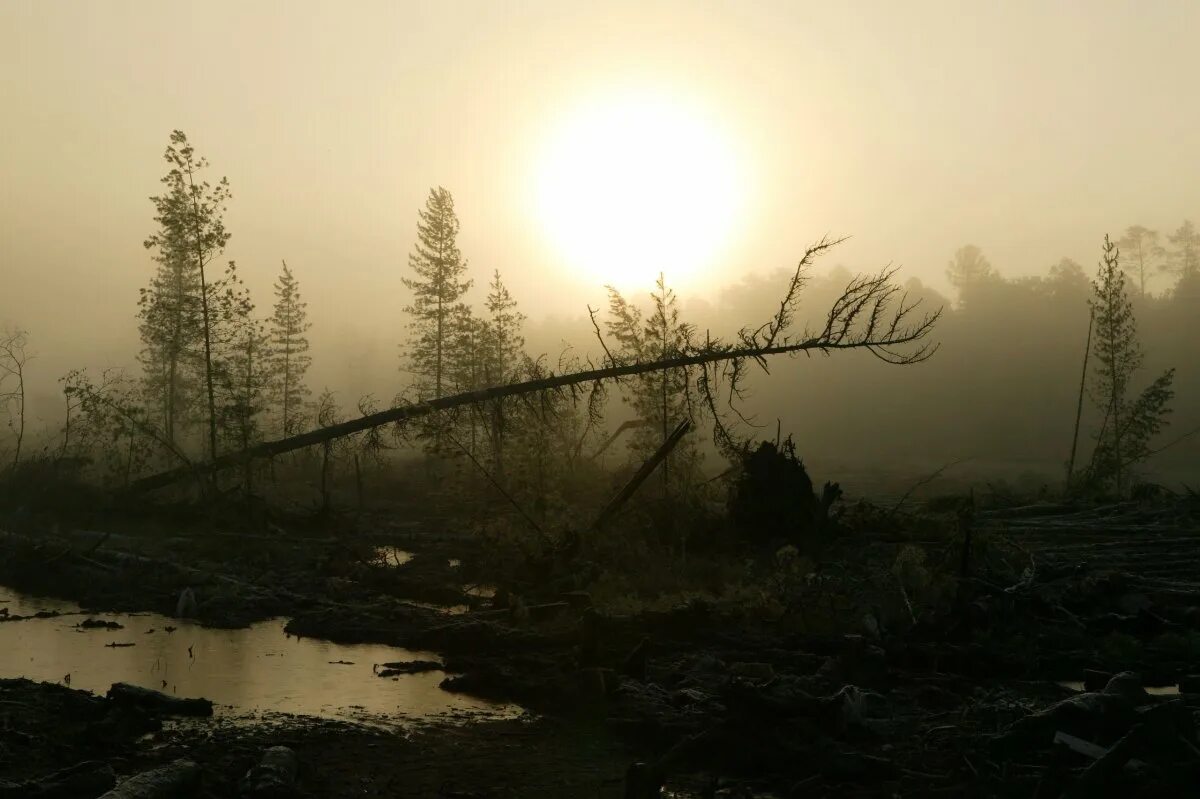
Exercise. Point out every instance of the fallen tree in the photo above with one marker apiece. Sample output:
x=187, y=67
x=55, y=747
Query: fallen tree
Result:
x=871, y=314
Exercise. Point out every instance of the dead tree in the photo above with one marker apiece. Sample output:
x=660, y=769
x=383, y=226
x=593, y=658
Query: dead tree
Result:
x=12, y=384
x=872, y=314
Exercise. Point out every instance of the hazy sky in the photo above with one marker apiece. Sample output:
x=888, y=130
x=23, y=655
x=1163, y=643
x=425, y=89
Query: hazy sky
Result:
x=1028, y=128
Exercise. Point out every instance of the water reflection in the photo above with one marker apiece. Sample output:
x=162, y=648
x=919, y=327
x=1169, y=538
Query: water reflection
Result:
x=259, y=668
x=392, y=556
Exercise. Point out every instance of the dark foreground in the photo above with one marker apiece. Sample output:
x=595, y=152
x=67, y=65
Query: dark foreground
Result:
x=47, y=728
x=962, y=700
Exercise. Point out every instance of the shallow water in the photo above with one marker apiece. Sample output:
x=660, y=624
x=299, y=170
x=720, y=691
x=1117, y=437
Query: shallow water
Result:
x=256, y=669
x=392, y=556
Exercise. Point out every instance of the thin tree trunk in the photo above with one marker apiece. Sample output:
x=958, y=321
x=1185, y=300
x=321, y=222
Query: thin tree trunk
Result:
x=287, y=380
x=326, y=452
x=129, y=460
x=659, y=456
x=358, y=482
x=437, y=372
x=1114, y=411
x=1087, y=350
x=247, y=415
x=20, y=412
x=208, y=369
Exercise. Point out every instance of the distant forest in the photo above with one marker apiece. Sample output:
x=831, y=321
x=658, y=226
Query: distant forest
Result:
x=1003, y=387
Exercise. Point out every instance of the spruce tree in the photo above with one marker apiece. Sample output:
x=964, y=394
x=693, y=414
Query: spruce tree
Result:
x=1128, y=424
x=505, y=342
x=504, y=353
x=661, y=399
x=437, y=310
x=289, y=359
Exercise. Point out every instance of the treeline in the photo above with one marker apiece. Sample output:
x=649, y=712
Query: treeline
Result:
x=215, y=375
x=1003, y=388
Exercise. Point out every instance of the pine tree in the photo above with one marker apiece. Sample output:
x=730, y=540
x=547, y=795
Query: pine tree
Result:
x=191, y=234
x=665, y=398
x=437, y=311
x=1128, y=425
x=1183, y=260
x=1141, y=244
x=505, y=351
x=969, y=269
x=289, y=359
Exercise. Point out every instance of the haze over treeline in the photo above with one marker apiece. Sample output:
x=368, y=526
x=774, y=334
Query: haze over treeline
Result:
x=913, y=129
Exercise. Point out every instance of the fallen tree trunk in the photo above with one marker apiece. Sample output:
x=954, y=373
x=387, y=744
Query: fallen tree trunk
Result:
x=406, y=413
x=862, y=318
x=174, y=780
x=638, y=478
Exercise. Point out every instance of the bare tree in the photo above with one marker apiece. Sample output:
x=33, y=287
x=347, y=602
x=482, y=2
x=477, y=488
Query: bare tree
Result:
x=13, y=357
x=871, y=314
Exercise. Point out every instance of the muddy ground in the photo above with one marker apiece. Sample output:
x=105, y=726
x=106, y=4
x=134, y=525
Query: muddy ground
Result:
x=959, y=700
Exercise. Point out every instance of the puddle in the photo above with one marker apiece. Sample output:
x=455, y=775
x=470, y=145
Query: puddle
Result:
x=391, y=556
x=454, y=563
x=480, y=591
x=1153, y=690
x=259, y=669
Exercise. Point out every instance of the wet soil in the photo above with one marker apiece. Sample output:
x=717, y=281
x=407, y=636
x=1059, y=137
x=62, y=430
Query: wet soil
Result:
x=48, y=727
x=942, y=707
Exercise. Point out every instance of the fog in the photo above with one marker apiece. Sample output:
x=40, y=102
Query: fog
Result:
x=1026, y=130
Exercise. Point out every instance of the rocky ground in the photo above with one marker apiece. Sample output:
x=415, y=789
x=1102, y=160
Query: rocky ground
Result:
x=962, y=699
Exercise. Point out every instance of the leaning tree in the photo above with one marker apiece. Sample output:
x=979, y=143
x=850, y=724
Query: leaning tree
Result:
x=872, y=313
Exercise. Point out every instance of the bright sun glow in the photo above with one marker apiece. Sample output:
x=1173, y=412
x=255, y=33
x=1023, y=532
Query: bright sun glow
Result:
x=639, y=184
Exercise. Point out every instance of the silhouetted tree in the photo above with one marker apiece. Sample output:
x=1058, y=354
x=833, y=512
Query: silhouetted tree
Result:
x=244, y=375
x=505, y=351
x=1068, y=281
x=1183, y=260
x=871, y=313
x=190, y=214
x=505, y=342
x=170, y=328
x=664, y=398
x=1142, y=253
x=1128, y=425
x=112, y=424
x=438, y=288
x=969, y=269
x=288, y=358
x=13, y=357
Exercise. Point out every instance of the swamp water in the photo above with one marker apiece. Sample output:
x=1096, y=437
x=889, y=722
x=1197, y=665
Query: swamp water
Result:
x=256, y=669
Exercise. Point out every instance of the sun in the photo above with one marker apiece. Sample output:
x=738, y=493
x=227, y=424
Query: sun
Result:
x=639, y=183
